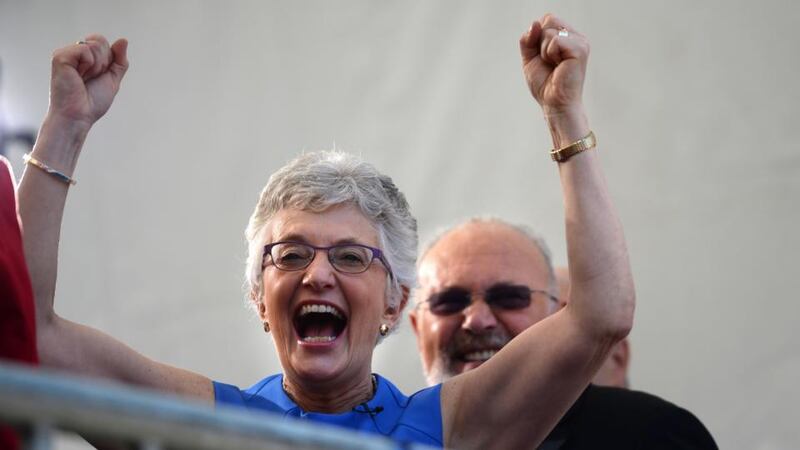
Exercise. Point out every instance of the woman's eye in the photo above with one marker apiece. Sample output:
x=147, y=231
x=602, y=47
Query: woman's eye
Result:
x=290, y=256
x=293, y=254
x=351, y=258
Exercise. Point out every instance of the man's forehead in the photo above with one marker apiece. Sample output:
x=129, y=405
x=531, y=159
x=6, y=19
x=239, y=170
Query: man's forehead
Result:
x=476, y=256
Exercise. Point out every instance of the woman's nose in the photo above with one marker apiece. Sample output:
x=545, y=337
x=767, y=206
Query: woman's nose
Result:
x=320, y=273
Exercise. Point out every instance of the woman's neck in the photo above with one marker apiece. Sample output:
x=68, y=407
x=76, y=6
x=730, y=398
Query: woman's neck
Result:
x=324, y=398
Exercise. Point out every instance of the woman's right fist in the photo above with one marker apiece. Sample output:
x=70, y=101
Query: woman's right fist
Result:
x=85, y=78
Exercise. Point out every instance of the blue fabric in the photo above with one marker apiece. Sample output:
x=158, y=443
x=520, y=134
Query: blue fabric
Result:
x=416, y=419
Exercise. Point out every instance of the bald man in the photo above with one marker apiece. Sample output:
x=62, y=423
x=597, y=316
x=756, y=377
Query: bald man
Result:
x=485, y=281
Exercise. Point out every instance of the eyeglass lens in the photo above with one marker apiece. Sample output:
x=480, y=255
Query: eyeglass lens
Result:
x=345, y=258
x=503, y=296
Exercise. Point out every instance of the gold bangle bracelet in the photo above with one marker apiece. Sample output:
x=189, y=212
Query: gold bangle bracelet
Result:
x=562, y=154
x=42, y=166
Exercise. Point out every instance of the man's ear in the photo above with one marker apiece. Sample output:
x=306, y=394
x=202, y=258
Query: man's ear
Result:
x=412, y=317
x=621, y=355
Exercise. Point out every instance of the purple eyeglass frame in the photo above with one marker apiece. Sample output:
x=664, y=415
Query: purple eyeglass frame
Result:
x=376, y=254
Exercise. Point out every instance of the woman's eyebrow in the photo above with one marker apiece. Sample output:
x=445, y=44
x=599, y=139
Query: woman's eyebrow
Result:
x=298, y=237
x=292, y=237
x=348, y=240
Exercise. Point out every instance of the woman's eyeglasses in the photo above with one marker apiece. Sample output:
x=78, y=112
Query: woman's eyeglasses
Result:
x=502, y=296
x=345, y=258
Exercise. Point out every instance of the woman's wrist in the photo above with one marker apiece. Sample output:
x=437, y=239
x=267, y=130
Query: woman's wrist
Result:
x=567, y=125
x=59, y=142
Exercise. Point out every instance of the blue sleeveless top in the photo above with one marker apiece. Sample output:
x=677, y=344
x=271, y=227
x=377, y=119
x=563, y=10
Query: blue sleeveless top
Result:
x=414, y=419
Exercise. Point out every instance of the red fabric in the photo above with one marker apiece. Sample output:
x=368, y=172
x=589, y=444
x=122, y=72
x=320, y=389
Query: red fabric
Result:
x=17, y=320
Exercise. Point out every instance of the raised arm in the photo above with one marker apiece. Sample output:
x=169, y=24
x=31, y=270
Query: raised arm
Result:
x=85, y=79
x=515, y=398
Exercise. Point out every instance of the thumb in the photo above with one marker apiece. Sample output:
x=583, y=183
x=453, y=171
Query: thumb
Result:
x=119, y=65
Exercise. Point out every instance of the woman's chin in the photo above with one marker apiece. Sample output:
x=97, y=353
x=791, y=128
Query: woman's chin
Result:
x=320, y=359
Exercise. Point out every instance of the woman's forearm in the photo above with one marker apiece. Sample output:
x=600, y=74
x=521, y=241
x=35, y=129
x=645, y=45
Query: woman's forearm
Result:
x=601, y=282
x=84, y=79
x=41, y=206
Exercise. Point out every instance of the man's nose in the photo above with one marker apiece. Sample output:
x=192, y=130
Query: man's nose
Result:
x=478, y=317
x=320, y=273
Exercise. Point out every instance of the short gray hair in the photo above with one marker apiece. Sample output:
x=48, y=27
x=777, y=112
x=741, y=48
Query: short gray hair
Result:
x=319, y=180
x=535, y=238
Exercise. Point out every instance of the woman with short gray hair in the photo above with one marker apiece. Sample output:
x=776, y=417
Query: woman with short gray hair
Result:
x=319, y=180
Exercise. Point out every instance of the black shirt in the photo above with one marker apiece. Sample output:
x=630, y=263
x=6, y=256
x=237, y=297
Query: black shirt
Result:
x=606, y=417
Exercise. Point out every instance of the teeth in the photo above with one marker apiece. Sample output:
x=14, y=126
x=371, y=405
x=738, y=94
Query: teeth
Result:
x=481, y=355
x=319, y=338
x=306, y=309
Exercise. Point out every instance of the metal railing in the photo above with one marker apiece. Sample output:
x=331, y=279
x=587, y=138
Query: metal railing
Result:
x=39, y=402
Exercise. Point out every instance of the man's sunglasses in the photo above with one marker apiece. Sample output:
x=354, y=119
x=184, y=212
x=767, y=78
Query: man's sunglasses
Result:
x=501, y=296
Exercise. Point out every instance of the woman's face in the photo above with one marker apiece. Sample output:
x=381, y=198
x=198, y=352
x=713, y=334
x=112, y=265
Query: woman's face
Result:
x=324, y=322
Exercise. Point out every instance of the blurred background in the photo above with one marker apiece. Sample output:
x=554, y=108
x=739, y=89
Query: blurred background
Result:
x=695, y=105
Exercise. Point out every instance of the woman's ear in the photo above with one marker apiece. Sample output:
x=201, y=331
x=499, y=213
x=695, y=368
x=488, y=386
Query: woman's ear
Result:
x=393, y=313
x=262, y=309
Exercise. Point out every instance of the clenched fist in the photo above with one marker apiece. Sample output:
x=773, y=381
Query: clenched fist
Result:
x=554, y=58
x=85, y=78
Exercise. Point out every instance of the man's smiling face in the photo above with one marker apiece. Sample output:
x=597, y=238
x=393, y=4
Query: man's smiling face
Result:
x=478, y=261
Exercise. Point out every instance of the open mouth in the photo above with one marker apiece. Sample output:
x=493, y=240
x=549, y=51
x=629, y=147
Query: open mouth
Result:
x=319, y=322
